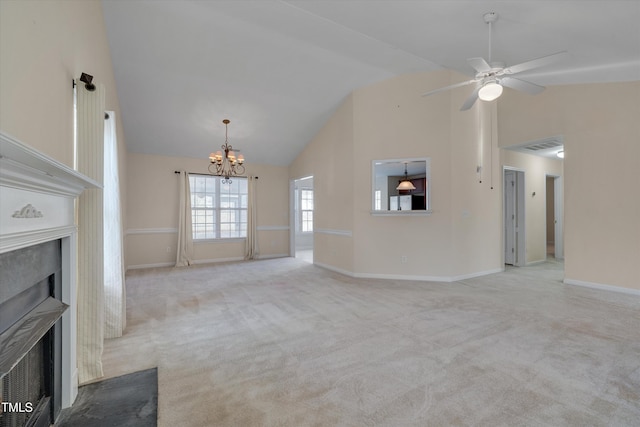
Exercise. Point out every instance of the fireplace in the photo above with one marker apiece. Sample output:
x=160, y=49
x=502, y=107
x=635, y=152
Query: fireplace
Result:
x=30, y=335
x=38, y=252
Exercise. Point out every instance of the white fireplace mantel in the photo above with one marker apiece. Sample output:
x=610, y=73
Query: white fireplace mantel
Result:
x=37, y=204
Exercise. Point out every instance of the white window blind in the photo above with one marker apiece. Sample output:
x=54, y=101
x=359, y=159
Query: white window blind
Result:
x=219, y=210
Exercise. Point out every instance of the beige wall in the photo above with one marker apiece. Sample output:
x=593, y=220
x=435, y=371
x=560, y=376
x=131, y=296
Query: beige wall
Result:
x=475, y=188
x=152, y=212
x=390, y=120
x=463, y=236
x=44, y=45
x=329, y=159
x=601, y=132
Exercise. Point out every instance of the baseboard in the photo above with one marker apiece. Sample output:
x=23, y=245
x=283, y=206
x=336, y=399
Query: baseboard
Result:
x=68, y=399
x=270, y=256
x=602, y=287
x=156, y=265
x=74, y=387
x=477, y=274
x=532, y=263
x=216, y=260
x=420, y=278
x=236, y=259
x=335, y=269
x=202, y=261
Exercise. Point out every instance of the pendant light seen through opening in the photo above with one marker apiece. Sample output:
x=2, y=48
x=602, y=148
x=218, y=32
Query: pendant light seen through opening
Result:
x=405, y=185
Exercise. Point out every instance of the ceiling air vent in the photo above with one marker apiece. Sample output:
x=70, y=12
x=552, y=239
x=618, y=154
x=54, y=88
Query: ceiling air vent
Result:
x=545, y=145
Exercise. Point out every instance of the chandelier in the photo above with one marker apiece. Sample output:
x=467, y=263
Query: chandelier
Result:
x=225, y=163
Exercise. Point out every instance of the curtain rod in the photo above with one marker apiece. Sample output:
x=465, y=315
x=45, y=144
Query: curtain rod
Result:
x=208, y=174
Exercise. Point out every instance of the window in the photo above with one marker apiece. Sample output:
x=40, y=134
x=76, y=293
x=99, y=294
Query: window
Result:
x=388, y=199
x=218, y=211
x=306, y=210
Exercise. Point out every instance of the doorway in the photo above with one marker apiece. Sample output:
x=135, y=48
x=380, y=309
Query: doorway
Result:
x=302, y=197
x=514, y=217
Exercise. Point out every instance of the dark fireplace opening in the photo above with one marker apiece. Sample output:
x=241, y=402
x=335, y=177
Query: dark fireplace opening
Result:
x=30, y=335
x=24, y=389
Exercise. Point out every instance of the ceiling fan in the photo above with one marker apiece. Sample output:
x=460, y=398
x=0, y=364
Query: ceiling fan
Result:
x=492, y=76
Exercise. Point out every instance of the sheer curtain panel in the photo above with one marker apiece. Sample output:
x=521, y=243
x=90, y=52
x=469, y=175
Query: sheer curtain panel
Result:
x=252, y=234
x=89, y=158
x=114, y=285
x=185, y=233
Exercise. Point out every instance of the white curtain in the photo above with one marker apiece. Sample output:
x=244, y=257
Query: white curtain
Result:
x=185, y=233
x=251, y=251
x=89, y=161
x=114, y=285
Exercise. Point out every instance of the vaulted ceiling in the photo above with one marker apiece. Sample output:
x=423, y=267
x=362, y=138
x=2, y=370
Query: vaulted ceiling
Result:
x=278, y=69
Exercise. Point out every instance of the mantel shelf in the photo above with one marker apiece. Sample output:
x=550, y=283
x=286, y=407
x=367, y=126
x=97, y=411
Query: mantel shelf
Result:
x=25, y=168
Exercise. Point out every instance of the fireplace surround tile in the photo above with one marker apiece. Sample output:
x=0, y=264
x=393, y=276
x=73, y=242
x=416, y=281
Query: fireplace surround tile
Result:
x=24, y=267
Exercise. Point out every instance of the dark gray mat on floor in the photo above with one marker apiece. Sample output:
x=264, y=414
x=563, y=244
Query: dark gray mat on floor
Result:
x=129, y=400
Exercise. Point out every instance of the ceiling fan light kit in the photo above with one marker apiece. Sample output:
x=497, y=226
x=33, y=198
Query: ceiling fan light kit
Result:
x=490, y=91
x=491, y=77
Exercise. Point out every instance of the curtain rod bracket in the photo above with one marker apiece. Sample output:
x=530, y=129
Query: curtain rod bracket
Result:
x=87, y=79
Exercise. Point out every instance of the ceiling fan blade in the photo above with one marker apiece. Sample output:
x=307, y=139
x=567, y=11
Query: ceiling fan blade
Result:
x=442, y=89
x=479, y=64
x=521, y=85
x=471, y=99
x=535, y=63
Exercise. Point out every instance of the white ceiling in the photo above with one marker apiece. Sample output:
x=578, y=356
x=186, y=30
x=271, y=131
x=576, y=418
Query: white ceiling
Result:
x=278, y=69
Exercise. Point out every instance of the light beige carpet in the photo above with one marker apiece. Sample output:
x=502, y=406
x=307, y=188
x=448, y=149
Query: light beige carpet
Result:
x=285, y=343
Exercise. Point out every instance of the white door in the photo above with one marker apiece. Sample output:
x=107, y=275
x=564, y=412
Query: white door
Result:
x=509, y=217
x=558, y=193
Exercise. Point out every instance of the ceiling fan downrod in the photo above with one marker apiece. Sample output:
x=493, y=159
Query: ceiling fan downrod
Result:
x=490, y=18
